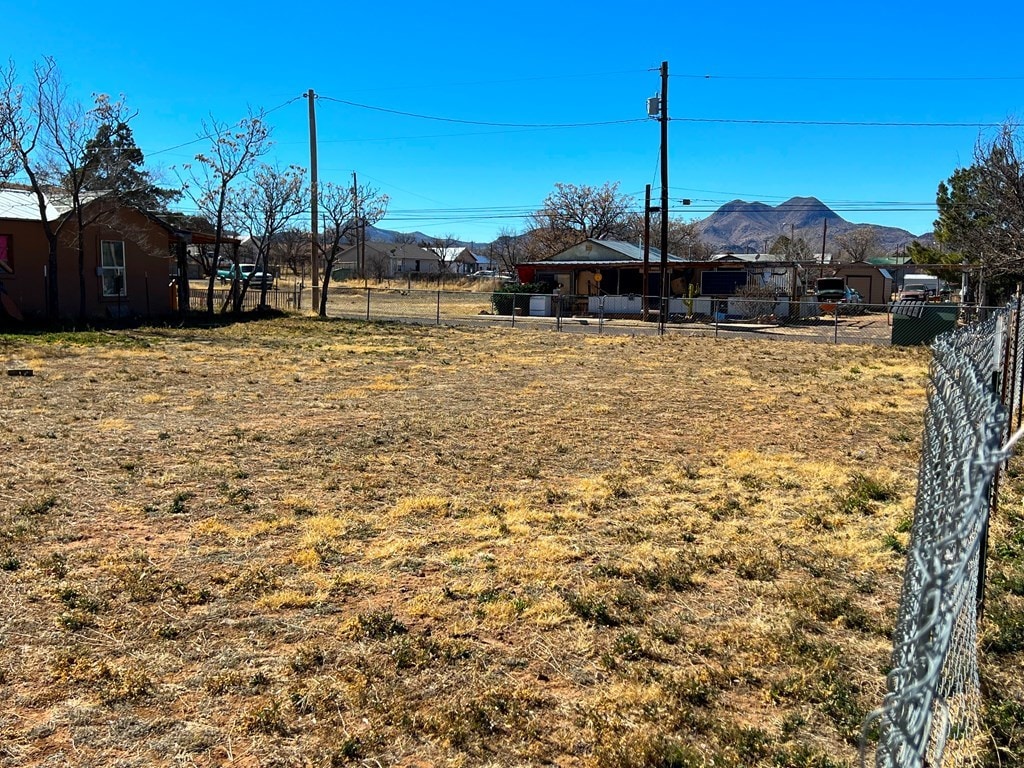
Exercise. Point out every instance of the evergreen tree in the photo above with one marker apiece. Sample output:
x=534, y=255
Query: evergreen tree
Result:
x=113, y=163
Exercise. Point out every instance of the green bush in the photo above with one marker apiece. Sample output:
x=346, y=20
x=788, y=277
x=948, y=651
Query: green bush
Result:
x=516, y=296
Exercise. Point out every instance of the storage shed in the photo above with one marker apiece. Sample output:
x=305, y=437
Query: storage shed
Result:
x=874, y=284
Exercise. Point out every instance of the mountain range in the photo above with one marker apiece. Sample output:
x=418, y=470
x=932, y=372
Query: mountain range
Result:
x=740, y=226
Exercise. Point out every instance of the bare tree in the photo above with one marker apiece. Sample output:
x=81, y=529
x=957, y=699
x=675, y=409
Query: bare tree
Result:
x=981, y=216
x=1000, y=164
x=343, y=209
x=684, y=239
x=443, y=246
x=572, y=214
x=21, y=129
x=377, y=266
x=234, y=150
x=405, y=238
x=263, y=208
x=291, y=249
x=508, y=249
x=48, y=137
x=858, y=244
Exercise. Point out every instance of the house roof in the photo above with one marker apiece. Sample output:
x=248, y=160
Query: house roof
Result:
x=453, y=253
x=22, y=204
x=395, y=250
x=603, y=253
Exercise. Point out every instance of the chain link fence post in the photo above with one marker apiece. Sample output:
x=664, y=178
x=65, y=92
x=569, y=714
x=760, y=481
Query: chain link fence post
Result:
x=931, y=712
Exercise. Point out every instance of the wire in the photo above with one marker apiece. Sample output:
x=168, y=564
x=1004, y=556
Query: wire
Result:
x=850, y=123
x=226, y=130
x=853, y=78
x=484, y=122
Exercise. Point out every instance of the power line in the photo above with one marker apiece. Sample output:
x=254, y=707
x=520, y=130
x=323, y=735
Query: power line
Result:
x=220, y=133
x=833, y=123
x=484, y=122
x=855, y=78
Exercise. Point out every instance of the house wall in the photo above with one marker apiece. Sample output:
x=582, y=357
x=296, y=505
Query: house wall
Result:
x=29, y=250
x=148, y=264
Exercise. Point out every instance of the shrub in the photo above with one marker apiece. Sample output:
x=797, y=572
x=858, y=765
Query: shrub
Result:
x=516, y=296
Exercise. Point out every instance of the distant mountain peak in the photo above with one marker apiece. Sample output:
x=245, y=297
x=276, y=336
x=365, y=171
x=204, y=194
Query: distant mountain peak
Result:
x=742, y=226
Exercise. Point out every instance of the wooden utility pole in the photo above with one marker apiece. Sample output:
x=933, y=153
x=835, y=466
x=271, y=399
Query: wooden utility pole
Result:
x=664, y=192
x=647, y=252
x=314, y=214
x=355, y=215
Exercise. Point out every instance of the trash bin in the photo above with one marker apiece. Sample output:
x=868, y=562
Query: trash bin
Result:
x=919, y=322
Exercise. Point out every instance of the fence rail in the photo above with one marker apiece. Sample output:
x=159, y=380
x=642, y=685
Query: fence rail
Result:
x=902, y=323
x=930, y=715
x=276, y=298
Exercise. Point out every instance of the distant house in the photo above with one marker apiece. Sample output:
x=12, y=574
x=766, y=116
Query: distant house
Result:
x=482, y=261
x=456, y=260
x=385, y=260
x=130, y=259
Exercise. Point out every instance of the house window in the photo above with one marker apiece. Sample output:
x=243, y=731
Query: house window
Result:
x=112, y=268
x=6, y=257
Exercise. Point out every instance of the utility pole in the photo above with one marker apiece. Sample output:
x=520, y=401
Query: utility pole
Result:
x=355, y=215
x=824, y=235
x=647, y=251
x=314, y=230
x=664, y=194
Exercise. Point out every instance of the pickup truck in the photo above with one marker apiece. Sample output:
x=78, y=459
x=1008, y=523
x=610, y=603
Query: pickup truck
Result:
x=915, y=292
x=245, y=272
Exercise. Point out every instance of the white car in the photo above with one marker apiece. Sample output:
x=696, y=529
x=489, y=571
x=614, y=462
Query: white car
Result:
x=489, y=274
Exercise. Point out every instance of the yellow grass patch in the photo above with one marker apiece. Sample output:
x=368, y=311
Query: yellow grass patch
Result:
x=324, y=543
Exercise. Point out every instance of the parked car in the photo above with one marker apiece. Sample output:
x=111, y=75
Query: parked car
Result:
x=852, y=302
x=830, y=289
x=839, y=299
x=245, y=272
x=915, y=292
x=489, y=274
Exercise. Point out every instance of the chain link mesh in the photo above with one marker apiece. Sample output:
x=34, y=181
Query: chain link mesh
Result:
x=931, y=713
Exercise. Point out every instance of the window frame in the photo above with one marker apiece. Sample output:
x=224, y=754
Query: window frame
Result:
x=113, y=270
x=6, y=253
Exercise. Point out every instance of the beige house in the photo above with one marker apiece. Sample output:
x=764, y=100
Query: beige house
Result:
x=385, y=260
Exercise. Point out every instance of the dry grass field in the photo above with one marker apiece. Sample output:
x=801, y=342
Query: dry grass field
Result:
x=291, y=542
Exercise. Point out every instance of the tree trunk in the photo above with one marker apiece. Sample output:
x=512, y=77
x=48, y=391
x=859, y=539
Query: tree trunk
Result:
x=323, y=289
x=81, y=264
x=181, y=252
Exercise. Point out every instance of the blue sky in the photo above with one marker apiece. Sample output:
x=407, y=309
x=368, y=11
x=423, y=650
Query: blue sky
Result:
x=760, y=64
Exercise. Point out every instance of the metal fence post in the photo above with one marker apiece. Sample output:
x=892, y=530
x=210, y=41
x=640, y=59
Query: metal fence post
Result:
x=600, y=315
x=558, y=311
x=367, y=304
x=437, y=319
x=835, y=326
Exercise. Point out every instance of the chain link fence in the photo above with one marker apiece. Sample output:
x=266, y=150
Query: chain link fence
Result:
x=931, y=713
x=906, y=323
